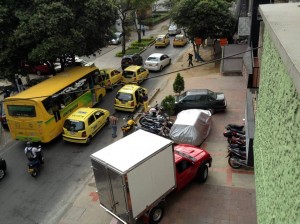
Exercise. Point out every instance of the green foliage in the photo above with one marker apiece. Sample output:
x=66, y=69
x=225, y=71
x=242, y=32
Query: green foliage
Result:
x=136, y=47
x=45, y=30
x=178, y=85
x=168, y=104
x=204, y=18
x=157, y=18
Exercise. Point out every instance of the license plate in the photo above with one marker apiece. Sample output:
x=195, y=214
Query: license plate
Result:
x=72, y=132
x=30, y=170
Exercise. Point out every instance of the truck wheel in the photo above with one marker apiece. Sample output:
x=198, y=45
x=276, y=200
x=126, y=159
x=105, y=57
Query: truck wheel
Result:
x=156, y=214
x=203, y=173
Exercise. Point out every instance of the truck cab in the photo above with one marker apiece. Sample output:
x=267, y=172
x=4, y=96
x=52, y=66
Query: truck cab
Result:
x=191, y=163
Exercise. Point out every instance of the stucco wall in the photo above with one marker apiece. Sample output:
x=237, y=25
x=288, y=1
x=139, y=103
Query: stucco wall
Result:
x=277, y=142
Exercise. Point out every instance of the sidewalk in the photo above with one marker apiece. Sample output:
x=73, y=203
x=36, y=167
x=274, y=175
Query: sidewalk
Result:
x=228, y=196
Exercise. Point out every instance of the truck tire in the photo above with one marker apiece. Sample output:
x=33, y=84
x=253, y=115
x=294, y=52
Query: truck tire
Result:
x=202, y=174
x=156, y=214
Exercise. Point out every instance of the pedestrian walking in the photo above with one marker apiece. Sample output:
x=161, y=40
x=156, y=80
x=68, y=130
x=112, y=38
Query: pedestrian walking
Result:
x=190, y=60
x=113, y=120
x=20, y=84
x=143, y=30
x=145, y=100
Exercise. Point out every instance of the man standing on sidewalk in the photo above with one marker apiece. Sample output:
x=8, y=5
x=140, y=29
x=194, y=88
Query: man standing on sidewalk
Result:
x=190, y=59
x=113, y=120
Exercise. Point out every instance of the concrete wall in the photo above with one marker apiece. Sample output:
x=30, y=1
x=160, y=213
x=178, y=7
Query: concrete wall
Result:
x=277, y=141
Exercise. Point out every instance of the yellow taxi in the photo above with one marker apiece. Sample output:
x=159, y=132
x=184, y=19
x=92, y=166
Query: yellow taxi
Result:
x=162, y=40
x=128, y=98
x=179, y=40
x=110, y=77
x=84, y=123
x=134, y=74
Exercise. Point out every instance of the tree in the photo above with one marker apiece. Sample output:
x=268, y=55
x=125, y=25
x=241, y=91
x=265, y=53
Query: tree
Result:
x=203, y=19
x=168, y=104
x=45, y=30
x=127, y=9
x=178, y=85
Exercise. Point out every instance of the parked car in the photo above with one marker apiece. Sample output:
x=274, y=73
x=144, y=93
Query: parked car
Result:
x=201, y=99
x=78, y=62
x=134, y=74
x=128, y=98
x=157, y=61
x=162, y=40
x=179, y=40
x=134, y=59
x=173, y=29
x=110, y=77
x=84, y=123
x=2, y=168
x=3, y=116
x=117, y=39
x=36, y=68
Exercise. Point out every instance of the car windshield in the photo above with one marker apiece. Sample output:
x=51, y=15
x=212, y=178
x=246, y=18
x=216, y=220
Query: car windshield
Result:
x=159, y=39
x=124, y=96
x=181, y=96
x=212, y=94
x=152, y=59
x=128, y=74
x=72, y=125
x=178, y=38
x=126, y=60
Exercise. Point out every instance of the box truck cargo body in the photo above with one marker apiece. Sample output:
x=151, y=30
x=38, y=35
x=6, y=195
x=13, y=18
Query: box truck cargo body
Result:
x=134, y=174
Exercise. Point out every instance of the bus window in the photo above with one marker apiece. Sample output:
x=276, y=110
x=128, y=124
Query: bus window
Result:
x=21, y=111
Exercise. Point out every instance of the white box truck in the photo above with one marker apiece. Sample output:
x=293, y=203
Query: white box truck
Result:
x=134, y=174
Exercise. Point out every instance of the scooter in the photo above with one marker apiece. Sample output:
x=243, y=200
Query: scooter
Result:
x=129, y=127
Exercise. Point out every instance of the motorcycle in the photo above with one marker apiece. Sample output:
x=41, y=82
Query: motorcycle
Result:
x=237, y=146
x=159, y=129
x=35, y=164
x=235, y=127
x=230, y=133
x=237, y=159
x=236, y=140
x=129, y=127
x=155, y=121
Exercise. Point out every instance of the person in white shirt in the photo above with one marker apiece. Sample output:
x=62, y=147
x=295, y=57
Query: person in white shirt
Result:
x=33, y=153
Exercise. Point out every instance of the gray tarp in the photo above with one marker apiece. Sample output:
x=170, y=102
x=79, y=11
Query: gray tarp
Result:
x=191, y=127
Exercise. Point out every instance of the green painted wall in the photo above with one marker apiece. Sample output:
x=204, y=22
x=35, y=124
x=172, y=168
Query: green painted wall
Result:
x=277, y=142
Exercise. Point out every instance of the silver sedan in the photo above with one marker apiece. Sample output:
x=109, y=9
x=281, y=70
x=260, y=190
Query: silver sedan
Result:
x=157, y=61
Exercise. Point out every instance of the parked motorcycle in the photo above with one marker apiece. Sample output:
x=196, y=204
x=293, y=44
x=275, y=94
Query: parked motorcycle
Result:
x=129, y=127
x=236, y=140
x=237, y=146
x=230, y=133
x=237, y=159
x=159, y=129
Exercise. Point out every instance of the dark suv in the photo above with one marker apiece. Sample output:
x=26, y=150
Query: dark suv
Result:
x=134, y=59
x=3, y=116
x=200, y=99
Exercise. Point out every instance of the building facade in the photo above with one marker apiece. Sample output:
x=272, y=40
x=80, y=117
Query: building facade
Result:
x=277, y=118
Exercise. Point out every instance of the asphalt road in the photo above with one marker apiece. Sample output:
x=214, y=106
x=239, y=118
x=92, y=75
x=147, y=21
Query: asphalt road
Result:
x=44, y=199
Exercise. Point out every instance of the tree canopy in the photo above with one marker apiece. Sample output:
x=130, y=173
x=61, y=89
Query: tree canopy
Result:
x=37, y=30
x=204, y=18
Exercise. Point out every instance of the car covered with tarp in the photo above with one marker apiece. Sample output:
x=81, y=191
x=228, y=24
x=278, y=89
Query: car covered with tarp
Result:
x=191, y=127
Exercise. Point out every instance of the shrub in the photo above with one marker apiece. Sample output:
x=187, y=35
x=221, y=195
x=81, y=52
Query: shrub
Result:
x=178, y=85
x=157, y=18
x=168, y=104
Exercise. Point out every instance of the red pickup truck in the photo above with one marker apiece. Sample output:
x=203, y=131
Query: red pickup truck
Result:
x=191, y=163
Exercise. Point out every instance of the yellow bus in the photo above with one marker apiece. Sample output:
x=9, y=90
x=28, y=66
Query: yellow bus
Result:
x=37, y=114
